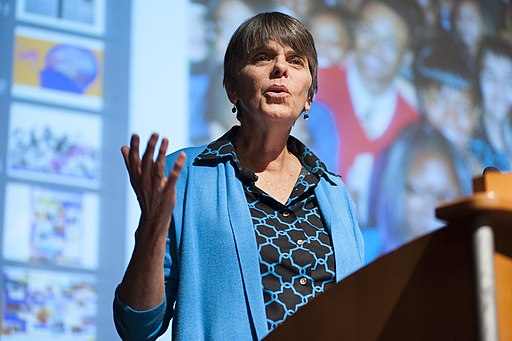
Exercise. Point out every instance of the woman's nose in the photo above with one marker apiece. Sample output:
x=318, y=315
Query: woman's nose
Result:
x=280, y=68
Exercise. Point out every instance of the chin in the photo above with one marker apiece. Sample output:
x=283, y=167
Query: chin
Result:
x=279, y=113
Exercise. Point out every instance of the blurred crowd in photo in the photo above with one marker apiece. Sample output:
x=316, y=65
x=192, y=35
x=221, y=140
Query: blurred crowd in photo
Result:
x=414, y=100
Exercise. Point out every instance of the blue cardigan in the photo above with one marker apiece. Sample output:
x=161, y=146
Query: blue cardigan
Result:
x=212, y=274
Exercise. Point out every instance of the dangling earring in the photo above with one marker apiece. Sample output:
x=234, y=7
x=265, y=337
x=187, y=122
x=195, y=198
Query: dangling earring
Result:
x=306, y=115
x=234, y=109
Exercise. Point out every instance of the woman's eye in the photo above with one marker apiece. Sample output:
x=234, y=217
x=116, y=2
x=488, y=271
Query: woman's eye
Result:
x=297, y=61
x=261, y=58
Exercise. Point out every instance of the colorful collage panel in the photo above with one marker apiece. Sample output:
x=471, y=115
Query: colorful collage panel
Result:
x=45, y=305
x=58, y=68
x=54, y=145
x=44, y=225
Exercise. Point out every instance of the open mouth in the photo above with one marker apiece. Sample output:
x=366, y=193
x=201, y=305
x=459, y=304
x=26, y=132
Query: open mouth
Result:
x=277, y=89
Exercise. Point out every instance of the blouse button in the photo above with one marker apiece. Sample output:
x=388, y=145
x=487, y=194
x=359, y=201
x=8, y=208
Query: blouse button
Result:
x=303, y=281
x=300, y=241
x=286, y=213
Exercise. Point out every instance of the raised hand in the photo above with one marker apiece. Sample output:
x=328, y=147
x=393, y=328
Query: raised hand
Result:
x=142, y=286
x=156, y=193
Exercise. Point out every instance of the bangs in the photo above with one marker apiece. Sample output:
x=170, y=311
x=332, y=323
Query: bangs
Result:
x=256, y=32
x=280, y=31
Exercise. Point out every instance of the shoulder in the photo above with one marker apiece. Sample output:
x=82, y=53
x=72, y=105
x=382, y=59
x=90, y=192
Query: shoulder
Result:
x=190, y=152
x=335, y=182
x=334, y=187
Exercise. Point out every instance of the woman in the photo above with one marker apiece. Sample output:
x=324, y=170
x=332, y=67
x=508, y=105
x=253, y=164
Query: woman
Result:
x=447, y=98
x=246, y=230
x=472, y=23
x=418, y=172
x=331, y=29
x=494, y=65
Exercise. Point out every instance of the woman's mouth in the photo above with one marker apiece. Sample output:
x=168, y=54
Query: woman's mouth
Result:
x=277, y=91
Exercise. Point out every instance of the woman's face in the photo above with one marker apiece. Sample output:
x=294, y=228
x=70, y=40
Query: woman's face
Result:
x=380, y=43
x=430, y=12
x=496, y=85
x=430, y=181
x=332, y=39
x=469, y=24
x=273, y=86
x=452, y=111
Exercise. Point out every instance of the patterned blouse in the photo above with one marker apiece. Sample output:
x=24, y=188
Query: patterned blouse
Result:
x=295, y=249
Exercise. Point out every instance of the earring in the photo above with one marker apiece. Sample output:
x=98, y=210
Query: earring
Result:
x=234, y=109
x=306, y=115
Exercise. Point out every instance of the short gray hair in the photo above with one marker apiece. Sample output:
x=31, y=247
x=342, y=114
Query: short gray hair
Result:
x=255, y=32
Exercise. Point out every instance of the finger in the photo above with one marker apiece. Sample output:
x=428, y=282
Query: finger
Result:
x=162, y=151
x=132, y=161
x=147, y=160
x=125, y=151
x=158, y=168
x=134, y=157
x=176, y=170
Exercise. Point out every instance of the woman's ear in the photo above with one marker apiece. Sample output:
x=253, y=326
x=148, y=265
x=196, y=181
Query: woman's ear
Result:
x=233, y=97
x=307, y=105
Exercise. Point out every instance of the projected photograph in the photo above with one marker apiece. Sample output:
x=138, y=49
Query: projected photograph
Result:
x=397, y=79
x=58, y=68
x=47, y=305
x=87, y=16
x=44, y=225
x=51, y=145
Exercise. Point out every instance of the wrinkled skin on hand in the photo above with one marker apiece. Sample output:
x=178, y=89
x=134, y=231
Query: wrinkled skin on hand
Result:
x=156, y=193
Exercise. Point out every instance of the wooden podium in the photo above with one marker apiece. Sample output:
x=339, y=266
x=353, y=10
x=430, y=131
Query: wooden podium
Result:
x=452, y=284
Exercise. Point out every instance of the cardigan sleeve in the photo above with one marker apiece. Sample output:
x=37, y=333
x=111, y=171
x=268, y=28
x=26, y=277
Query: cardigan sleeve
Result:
x=149, y=324
x=138, y=325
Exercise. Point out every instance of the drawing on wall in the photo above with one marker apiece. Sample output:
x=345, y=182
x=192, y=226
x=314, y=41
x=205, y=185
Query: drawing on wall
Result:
x=52, y=145
x=49, y=226
x=47, y=305
x=58, y=68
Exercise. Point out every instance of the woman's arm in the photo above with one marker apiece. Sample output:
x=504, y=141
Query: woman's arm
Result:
x=142, y=287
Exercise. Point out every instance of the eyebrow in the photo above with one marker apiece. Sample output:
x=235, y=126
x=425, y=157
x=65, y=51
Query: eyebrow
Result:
x=268, y=48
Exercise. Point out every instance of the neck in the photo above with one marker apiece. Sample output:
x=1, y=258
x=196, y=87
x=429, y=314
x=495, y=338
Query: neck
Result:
x=266, y=153
x=374, y=86
x=262, y=150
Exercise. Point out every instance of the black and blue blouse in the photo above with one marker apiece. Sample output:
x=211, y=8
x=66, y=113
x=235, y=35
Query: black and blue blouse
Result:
x=295, y=249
